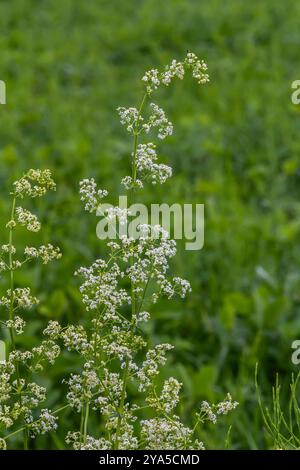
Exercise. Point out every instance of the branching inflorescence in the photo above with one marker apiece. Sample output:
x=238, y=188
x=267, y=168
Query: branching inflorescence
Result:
x=116, y=356
x=20, y=395
x=117, y=380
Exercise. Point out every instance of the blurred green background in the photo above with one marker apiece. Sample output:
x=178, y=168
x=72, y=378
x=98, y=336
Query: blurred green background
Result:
x=67, y=66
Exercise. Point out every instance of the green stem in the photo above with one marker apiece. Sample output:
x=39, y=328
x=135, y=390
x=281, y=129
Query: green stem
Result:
x=135, y=145
x=133, y=300
x=86, y=420
x=11, y=274
x=81, y=421
x=11, y=313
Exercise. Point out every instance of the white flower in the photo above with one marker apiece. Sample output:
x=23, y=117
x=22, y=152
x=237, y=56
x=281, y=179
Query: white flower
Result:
x=21, y=297
x=47, y=253
x=76, y=439
x=227, y=405
x=116, y=213
x=34, y=183
x=146, y=158
x=8, y=249
x=90, y=195
x=29, y=220
x=18, y=324
x=162, y=434
x=47, y=422
x=149, y=369
x=182, y=286
x=206, y=408
x=129, y=117
x=47, y=351
x=170, y=394
x=158, y=119
x=129, y=184
x=74, y=338
x=53, y=329
x=3, y=266
x=152, y=80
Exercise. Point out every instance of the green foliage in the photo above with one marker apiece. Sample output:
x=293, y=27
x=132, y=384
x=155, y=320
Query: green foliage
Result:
x=67, y=66
x=282, y=421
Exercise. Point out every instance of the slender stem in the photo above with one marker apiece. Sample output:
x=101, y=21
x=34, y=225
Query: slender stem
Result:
x=81, y=421
x=133, y=299
x=11, y=273
x=86, y=420
x=11, y=311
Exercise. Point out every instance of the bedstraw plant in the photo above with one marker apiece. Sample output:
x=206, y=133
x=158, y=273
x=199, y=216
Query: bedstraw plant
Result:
x=21, y=396
x=118, y=379
x=116, y=382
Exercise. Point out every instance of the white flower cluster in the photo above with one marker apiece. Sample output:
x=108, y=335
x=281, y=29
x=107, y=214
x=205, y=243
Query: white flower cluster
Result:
x=47, y=351
x=128, y=183
x=150, y=367
x=150, y=260
x=169, y=397
x=74, y=337
x=17, y=324
x=158, y=119
x=147, y=167
x=153, y=78
x=129, y=117
x=47, y=422
x=141, y=317
x=90, y=195
x=20, y=398
x=165, y=434
x=52, y=330
x=198, y=66
x=29, y=220
x=81, y=388
x=46, y=253
x=181, y=286
x=33, y=394
x=206, y=408
x=175, y=69
x=210, y=412
x=8, y=249
x=113, y=352
x=34, y=183
x=144, y=156
x=20, y=298
x=76, y=440
x=116, y=213
x=136, y=123
x=101, y=288
x=226, y=406
x=3, y=266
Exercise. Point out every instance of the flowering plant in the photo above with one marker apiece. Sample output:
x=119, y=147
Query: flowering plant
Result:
x=20, y=395
x=117, y=293
x=116, y=380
